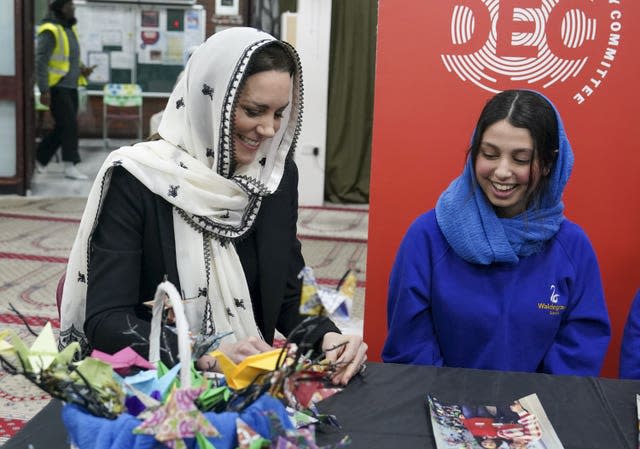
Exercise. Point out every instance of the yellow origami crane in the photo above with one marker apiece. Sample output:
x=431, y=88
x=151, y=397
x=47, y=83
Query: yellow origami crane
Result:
x=243, y=374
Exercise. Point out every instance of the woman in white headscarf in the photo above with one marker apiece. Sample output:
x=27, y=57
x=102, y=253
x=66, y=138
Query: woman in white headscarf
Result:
x=211, y=206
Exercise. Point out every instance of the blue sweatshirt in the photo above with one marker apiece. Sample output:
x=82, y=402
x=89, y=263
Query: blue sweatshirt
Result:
x=545, y=313
x=630, y=351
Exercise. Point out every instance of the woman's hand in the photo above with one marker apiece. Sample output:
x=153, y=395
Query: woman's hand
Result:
x=237, y=352
x=242, y=349
x=348, y=352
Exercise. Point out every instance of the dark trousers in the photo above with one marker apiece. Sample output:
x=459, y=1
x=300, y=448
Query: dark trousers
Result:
x=64, y=109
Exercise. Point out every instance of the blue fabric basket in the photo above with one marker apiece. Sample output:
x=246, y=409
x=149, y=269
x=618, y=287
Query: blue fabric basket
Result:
x=87, y=431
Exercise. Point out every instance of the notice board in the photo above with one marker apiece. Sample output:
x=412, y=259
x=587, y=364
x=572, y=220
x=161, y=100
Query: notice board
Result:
x=137, y=43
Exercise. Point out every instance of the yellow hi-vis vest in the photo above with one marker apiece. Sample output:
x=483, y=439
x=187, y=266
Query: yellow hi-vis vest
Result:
x=59, y=61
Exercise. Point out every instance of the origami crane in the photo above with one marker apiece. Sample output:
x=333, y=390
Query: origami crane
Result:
x=308, y=387
x=316, y=300
x=203, y=344
x=303, y=438
x=90, y=383
x=177, y=419
x=159, y=380
x=123, y=360
x=243, y=374
x=42, y=353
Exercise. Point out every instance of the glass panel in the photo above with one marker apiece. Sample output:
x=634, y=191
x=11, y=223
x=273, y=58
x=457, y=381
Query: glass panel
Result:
x=7, y=37
x=8, y=138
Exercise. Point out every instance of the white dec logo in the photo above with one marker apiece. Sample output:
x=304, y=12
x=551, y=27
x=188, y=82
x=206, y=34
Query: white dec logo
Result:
x=533, y=42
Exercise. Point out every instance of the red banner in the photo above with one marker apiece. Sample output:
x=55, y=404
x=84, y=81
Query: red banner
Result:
x=437, y=64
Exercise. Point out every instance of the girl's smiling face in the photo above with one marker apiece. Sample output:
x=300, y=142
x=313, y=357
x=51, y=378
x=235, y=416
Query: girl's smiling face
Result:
x=506, y=168
x=258, y=113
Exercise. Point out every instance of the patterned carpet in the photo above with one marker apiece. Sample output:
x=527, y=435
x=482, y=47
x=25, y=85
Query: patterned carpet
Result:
x=36, y=236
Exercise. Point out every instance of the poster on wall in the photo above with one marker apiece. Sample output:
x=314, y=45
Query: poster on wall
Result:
x=175, y=49
x=149, y=18
x=152, y=43
x=106, y=28
x=192, y=31
x=227, y=8
x=99, y=61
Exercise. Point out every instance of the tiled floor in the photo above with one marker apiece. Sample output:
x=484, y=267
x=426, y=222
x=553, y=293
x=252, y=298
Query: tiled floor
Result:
x=54, y=184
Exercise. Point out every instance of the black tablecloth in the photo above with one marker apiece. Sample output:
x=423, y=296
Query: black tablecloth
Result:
x=387, y=408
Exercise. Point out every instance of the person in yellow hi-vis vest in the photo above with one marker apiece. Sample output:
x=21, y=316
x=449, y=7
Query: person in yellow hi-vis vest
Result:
x=59, y=73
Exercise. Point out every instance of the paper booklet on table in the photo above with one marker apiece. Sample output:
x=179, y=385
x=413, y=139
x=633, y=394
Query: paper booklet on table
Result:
x=638, y=408
x=519, y=424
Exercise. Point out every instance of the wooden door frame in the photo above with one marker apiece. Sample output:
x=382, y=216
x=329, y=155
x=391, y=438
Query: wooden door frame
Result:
x=18, y=88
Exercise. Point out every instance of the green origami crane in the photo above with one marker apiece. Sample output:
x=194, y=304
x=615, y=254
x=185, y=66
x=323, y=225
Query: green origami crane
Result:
x=89, y=383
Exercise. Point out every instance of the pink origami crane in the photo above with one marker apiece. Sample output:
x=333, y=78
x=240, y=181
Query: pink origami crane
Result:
x=123, y=360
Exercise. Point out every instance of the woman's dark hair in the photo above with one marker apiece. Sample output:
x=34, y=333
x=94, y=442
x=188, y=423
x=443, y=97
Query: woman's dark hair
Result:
x=528, y=110
x=272, y=56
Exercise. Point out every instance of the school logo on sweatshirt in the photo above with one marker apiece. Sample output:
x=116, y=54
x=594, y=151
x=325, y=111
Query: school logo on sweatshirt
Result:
x=502, y=44
x=552, y=303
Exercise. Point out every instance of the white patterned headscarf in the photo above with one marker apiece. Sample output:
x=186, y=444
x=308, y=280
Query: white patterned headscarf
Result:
x=193, y=168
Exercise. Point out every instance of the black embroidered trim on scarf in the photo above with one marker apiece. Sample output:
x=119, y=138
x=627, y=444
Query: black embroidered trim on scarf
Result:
x=208, y=326
x=72, y=334
x=298, y=100
x=226, y=163
x=251, y=185
x=221, y=231
x=68, y=336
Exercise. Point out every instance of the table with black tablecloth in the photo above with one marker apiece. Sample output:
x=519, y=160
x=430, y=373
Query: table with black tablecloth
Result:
x=386, y=408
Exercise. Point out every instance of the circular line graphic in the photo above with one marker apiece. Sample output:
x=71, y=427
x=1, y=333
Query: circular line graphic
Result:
x=485, y=67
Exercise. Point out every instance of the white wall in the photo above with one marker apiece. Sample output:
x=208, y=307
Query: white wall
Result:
x=313, y=38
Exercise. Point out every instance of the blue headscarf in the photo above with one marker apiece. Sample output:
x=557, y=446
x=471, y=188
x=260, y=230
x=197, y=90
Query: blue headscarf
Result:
x=474, y=231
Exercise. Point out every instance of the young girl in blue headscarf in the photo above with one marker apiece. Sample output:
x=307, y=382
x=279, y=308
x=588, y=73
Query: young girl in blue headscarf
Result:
x=495, y=277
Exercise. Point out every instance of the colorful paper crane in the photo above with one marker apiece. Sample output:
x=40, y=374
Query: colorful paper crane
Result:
x=241, y=375
x=177, y=419
x=90, y=383
x=316, y=300
x=123, y=360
